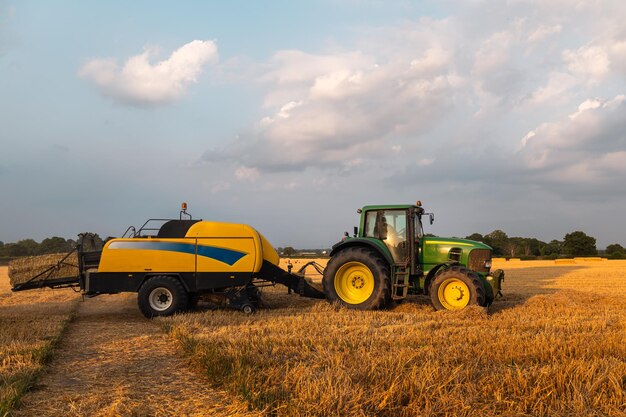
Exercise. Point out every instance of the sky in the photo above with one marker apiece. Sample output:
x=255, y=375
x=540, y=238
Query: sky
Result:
x=288, y=116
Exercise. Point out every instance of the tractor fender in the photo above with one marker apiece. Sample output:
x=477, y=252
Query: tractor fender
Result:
x=367, y=243
x=431, y=275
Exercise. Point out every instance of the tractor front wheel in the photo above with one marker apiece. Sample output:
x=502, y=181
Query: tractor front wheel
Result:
x=162, y=296
x=455, y=288
x=357, y=278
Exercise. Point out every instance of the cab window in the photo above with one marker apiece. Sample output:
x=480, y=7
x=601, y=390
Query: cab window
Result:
x=390, y=227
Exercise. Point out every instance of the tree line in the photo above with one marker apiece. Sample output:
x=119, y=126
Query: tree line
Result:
x=573, y=244
x=30, y=247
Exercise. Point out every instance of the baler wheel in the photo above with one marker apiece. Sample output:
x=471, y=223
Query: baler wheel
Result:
x=248, y=309
x=455, y=288
x=162, y=296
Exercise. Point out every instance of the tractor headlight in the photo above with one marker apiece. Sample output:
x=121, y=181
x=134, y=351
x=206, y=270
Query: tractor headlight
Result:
x=488, y=263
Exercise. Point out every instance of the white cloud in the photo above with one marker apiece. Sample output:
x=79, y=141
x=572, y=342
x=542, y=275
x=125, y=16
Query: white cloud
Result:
x=505, y=98
x=247, y=174
x=543, y=32
x=591, y=61
x=588, y=146
x=493, y=53
x=140, y=82
x=556, y=90
x=219, y=187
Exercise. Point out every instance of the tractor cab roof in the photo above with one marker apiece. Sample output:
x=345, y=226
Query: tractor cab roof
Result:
x=389, y=207
x=417, y=206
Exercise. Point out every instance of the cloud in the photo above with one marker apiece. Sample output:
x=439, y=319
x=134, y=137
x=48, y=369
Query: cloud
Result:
x=220, y=187
x=457, y=101
x=543, y=31
x=339, y=110
x=586, y=148
x=247, y=174
x=140, y=82
x=591, y=61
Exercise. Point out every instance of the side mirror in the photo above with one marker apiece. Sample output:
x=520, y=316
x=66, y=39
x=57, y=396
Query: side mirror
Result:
x=432, y=217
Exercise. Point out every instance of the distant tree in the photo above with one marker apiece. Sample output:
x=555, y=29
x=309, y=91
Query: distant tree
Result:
x=527, y=246
x=475, y=236
x=579, y=244
x=429, y=235
x=552, y=249
x=512, y=247
x=289, y=251
x=54, y=244
x=26, y=247
x=616, y=251
x=498, y=240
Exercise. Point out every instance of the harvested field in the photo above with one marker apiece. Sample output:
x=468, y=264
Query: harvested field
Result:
x=30, y=326
x=112, y=361
x=553, y=345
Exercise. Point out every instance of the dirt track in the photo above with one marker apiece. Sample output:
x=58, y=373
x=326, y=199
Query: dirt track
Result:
x=112, y=361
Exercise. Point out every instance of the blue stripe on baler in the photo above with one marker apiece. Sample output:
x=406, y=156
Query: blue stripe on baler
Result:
x=227, y=256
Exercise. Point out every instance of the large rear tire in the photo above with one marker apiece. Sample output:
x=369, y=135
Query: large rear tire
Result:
x=357, y=278
x=162, y=296
x=455, y=288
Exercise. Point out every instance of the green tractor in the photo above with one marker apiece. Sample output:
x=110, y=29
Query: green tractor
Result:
x=388, y=258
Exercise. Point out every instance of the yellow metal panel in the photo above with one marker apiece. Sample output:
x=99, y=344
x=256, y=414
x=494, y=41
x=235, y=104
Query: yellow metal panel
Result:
x=148, y=255
x=269, y=253
x=242, y=259
x=230, y=232
x=207, y=247
x=218, y=229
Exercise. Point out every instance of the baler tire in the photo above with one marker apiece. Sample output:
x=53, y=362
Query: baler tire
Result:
x=453, y=281
x=165, y=290
x=248, y=309
x=354, y=262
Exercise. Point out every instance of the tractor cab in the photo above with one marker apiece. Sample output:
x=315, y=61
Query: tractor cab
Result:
x=398, y=227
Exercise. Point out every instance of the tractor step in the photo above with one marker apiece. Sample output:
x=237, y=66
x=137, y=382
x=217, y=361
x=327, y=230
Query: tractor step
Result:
x=400, y=288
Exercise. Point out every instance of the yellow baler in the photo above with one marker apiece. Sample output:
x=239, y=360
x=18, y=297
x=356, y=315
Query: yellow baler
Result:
x=186, y=259
x=174, y=264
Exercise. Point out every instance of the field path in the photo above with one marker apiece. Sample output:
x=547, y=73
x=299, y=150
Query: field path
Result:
x=113, y=361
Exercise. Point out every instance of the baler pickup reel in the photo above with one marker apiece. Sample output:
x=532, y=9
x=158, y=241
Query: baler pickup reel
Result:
x=57, y=270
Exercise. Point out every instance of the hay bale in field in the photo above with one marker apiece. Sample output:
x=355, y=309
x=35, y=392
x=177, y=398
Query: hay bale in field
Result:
x=23, y=269
x=565, y=261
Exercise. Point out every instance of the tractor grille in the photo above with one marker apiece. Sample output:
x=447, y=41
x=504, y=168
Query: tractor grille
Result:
x=477, y=259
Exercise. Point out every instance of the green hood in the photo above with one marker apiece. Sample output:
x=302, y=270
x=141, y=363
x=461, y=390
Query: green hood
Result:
x=438, y=250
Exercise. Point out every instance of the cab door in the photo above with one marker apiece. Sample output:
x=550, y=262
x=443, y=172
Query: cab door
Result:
x=390, y=226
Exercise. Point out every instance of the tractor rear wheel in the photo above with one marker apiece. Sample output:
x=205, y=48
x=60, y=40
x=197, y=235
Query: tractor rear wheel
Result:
x=162, y=296
x=357, y=278
x=455, y=288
